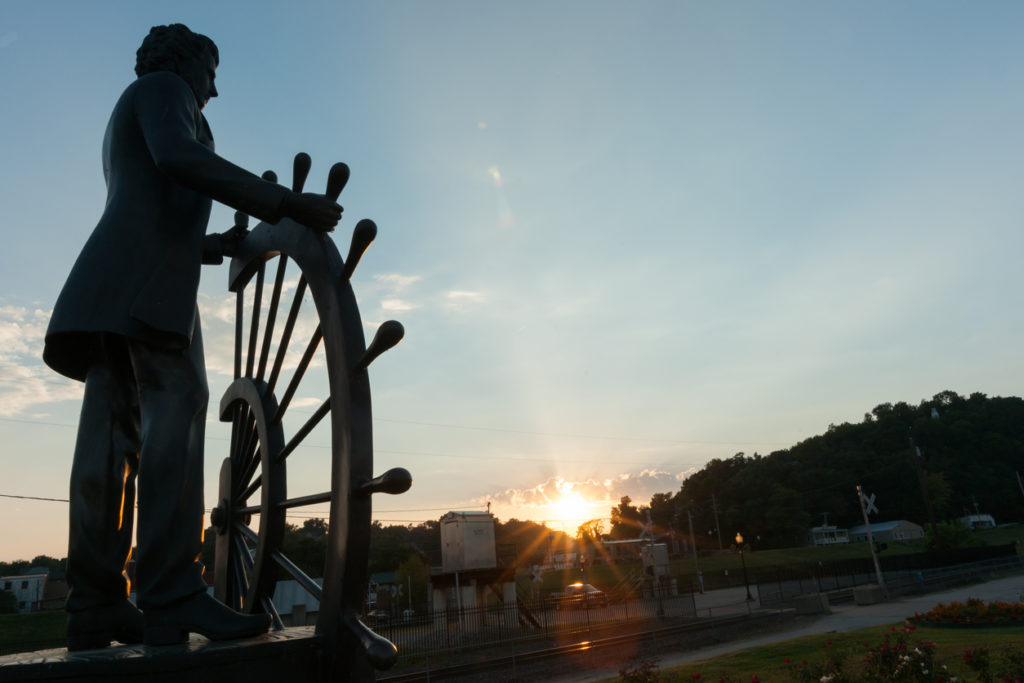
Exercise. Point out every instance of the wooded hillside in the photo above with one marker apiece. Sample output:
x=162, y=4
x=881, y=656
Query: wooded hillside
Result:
x=970, y=448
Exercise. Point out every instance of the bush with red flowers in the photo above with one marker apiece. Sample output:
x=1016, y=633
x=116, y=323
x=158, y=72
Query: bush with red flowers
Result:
x=974, y=612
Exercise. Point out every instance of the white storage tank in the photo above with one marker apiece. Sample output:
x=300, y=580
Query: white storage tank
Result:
x=467, y=541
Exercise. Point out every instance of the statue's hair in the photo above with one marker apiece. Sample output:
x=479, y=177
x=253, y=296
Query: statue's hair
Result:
x=169, y=48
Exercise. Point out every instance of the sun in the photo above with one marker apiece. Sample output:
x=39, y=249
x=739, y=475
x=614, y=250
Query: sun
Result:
x=572, y=511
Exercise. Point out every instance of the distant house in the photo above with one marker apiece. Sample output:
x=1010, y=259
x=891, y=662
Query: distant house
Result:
x=978, y=521
x=900, y=531
x=829, y=535
x=28, y=589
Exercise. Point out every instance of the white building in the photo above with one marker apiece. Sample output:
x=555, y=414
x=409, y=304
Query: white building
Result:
x=28, y=589
x=898, y=530
x=978, y=521
x=829, y=535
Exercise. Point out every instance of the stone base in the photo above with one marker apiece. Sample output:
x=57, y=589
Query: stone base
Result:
x=293, y=654
x=812, y=603
x=868, y=594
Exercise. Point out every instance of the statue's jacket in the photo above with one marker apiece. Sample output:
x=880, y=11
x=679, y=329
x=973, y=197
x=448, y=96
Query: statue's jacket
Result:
x=138, y=273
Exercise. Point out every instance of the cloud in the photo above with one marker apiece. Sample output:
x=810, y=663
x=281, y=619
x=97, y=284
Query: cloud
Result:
x=8, y=39
x=462, y=300
x=24, y=380
x=540, y=501
x=396, y=305
x=396, y=282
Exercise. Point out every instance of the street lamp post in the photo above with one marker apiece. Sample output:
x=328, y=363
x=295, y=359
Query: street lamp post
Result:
x=746, y=581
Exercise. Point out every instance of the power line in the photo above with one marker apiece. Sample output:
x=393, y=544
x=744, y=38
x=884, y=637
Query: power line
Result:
x=576, y=436
x=495, y=429
x=54, y=500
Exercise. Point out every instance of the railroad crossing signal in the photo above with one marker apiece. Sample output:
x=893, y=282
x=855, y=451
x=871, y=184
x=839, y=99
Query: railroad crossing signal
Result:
x=869, y=504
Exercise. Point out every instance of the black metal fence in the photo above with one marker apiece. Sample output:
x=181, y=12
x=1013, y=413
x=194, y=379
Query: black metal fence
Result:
x=903, y=574
x=454, y=629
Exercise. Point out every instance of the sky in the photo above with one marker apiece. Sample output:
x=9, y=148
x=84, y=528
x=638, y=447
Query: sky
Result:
x=623, y=238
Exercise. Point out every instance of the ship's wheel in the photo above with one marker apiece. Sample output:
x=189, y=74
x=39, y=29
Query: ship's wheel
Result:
x=276, y=360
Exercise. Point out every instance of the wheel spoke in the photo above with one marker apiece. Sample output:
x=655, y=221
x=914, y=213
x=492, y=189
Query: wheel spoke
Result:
x=247, y=532
x=252, y=462
x=256, y=483
x=299, y=372
x=254, y=328
x=236, y=428
x=239, y=313
x=313, y=499
x=241, y=584
x=249, y=459
x=286, y=334
x=269, y=608
x=300, y=576
x=243, y=552
x=304, y=431
x=275, y=300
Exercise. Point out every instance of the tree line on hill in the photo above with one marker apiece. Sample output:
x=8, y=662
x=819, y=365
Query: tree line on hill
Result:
x=970, y=451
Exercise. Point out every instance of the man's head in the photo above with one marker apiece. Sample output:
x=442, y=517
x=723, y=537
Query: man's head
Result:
x=175, y=48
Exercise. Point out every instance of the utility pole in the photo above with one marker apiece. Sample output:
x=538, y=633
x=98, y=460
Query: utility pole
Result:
x=915, y=454
x=696, y=563
x=871, y=543
x=718, y=529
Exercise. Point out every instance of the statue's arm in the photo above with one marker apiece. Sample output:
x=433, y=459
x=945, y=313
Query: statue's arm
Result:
x=167, y=113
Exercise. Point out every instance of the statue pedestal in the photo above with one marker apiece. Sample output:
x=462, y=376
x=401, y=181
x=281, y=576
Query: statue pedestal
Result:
x=293, y=654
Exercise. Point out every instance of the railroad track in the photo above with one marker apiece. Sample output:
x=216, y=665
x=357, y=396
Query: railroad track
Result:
x=519, y=659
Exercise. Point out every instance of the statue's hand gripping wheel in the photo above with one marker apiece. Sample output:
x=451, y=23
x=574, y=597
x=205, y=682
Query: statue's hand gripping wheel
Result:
x=252, y=479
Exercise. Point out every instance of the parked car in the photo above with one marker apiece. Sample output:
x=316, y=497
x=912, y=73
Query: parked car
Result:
x=377, y=617
x=581, y=594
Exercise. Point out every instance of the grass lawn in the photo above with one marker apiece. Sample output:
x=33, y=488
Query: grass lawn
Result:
x=769, y=661
x=35, y=631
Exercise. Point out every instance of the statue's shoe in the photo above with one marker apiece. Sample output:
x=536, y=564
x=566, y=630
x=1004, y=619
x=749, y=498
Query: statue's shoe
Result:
x=204, y=615
x=97, y=627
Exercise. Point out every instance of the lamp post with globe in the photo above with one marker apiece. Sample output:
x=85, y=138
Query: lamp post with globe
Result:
x=746, y=581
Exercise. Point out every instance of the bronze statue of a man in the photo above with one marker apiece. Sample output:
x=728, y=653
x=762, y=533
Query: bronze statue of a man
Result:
x=126, y=324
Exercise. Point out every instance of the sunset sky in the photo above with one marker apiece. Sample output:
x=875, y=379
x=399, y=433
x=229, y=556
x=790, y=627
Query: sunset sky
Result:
x=624, y=238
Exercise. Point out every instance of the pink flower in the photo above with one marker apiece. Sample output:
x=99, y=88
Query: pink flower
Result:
x=696, y=677
x=787, y=660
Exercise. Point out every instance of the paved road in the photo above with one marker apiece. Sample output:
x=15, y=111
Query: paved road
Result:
x=843, y=618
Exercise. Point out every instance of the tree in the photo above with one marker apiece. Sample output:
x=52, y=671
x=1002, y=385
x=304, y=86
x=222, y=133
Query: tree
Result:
x=588, y=535
x=522, y=542
x=663, y=512
x=315, y=528
x=8, y=602
x=950, y=535
x=414, y=575
x=626, y=520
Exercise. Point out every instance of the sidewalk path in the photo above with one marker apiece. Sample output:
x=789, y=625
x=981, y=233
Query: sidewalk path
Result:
x=843, y=618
